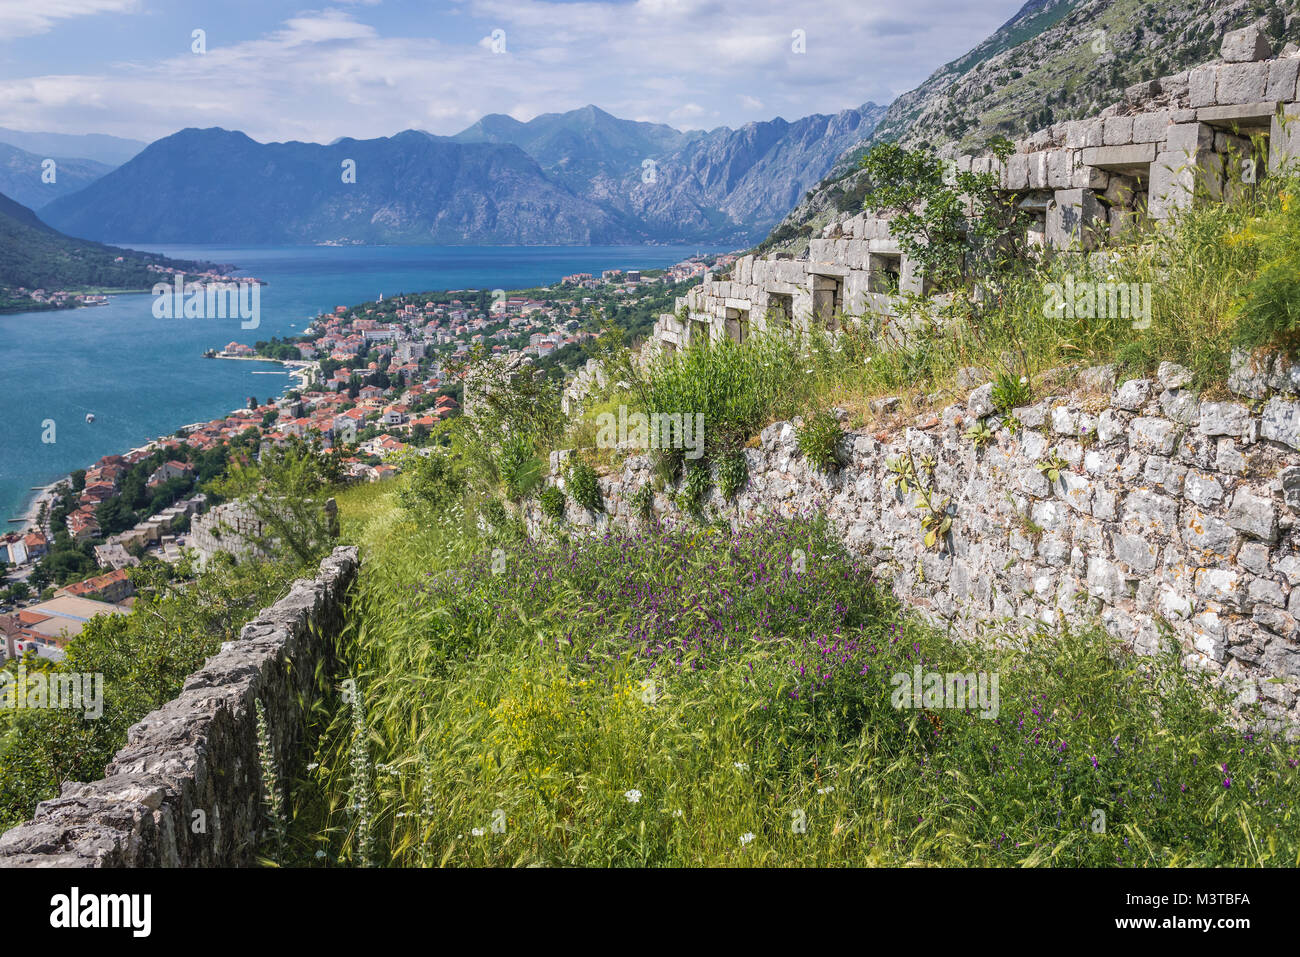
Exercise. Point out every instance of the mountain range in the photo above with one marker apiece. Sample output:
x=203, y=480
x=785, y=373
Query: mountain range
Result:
x=578, y=177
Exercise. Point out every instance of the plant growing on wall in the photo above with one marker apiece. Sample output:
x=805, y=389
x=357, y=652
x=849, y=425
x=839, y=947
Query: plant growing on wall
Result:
x=959, y=228
x=910, y=475
x=551, y=501
x=819, y=439
x=1010, y=392
x=979, y=434
x=695, y=486
x=1052, y=466
x=643, y=501
x=733, y=473
x=584, y=486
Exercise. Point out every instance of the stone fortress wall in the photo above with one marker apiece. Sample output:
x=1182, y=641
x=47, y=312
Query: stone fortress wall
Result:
x=1080, y=181
x=1172, y=516
x=186, y=789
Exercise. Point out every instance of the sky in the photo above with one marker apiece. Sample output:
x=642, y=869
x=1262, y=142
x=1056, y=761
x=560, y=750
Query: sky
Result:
x=364, y=68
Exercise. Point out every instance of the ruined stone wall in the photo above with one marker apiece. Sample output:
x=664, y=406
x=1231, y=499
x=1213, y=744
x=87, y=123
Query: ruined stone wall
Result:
x=186, y=789
x=1170, y=514
x=1082, y=182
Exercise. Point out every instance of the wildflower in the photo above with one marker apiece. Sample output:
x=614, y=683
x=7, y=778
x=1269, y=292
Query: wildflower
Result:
x=746, y=838
x=320, y=854
x=633, y=796
x=477, y=832
x=826, y=790
x=741, y=766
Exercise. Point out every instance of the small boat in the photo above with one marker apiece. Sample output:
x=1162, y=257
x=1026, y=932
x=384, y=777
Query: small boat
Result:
x=90, y=418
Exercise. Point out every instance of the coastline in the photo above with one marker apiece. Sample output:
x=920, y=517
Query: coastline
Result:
x=24, y=521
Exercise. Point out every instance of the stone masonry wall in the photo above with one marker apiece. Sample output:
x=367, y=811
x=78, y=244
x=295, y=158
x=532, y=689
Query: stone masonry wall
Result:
x=186, y=789
x=1081, y=181
x=1171, y=512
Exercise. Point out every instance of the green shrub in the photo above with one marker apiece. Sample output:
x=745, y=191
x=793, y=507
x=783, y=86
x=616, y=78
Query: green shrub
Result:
x=1009, y=392
x=1270, y=311
x=819, y=439
x=519, y=466
x=584, y=486
x=551, y=499
x=733, y=473
x=695, y=487
x=643, y=502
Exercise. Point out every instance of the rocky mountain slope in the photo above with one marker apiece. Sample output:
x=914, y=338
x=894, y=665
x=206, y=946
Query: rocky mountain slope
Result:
x=1054, y=60
x=33, y=255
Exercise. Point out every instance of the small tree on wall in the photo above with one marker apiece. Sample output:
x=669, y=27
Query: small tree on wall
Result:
x=960, y=228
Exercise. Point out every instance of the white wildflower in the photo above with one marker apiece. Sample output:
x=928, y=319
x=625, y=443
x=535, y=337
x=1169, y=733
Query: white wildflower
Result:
x=633, y=796
x=746, y=838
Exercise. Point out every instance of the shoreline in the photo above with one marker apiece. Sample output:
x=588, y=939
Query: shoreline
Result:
x=24, y=521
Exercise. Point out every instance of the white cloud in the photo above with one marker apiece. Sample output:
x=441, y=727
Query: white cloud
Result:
x=325, y=74
x=26, y=18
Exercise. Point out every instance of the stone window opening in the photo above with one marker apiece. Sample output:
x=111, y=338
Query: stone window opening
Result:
x=827, y=302
x=780, y=310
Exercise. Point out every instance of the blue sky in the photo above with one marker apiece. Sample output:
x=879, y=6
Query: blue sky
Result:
x=281, y=70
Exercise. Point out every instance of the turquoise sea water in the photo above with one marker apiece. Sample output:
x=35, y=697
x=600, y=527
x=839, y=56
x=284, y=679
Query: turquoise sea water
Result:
x=143, y=377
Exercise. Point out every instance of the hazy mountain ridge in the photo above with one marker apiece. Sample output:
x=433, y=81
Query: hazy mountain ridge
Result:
x=22, y=176
x=576, y=177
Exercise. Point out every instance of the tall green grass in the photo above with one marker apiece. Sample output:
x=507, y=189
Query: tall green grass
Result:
x=708, y=698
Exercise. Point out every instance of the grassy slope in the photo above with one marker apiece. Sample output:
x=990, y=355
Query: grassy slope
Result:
x=686, y=699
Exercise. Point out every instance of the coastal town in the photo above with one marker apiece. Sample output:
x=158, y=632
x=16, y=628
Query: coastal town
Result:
x=370, y=383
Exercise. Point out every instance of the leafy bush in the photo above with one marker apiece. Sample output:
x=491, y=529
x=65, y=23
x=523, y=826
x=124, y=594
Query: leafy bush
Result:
x=819, y=439
x=1009, y=392
x=519, y=466
x=584, y=486
x=551, y=500
x=733, y=473
x=1270, y=312
x=643, y=501
x=695, y=487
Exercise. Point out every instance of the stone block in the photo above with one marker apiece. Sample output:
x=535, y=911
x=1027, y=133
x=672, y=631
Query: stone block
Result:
x=1151, y=434
x=1223, y=418
x=1282, y=79
x=1189, y=138
x=1075, y=219
x=1203, y=83
x=1242, y=83
x=1245, y=45
x=1120, y=157
x=1280, y=422
x=1132, y=395
x=1150, y=513
x=1284, y=138
x=1253, y=515
x=1118, y=131
x=1151, y=127
x=1208, y=534
x=1202, y=489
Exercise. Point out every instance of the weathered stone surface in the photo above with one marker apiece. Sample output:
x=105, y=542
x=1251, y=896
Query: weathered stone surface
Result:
x=1223, y=418
x=1151, y=434
x=1132, y=395
x=980, y=402
x=1253, y=515
x=1280, y=421
x=1245, y=45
